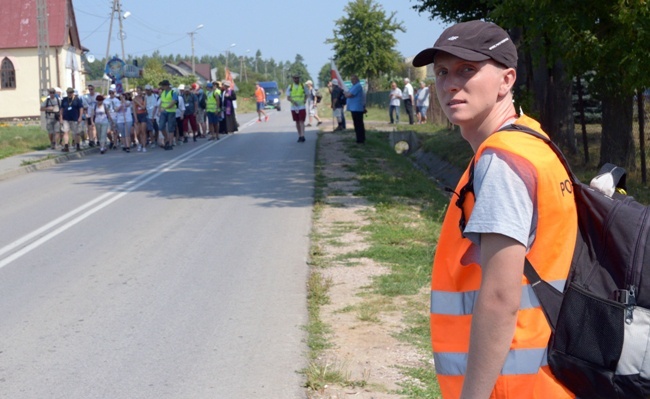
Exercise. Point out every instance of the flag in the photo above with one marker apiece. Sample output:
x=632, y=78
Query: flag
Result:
x=230, y=80
x=334, y=72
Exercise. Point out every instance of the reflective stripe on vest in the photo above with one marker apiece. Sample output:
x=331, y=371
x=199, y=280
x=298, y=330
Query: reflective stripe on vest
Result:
x=298, y=94
x=166, y=99
x=462, y=303
x=456, y=276
x=519, y=361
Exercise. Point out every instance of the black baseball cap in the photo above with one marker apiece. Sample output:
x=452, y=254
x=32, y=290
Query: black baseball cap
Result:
x=472, y=41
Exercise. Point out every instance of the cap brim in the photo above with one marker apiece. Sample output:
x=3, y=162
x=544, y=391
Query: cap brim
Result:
x=425, y=57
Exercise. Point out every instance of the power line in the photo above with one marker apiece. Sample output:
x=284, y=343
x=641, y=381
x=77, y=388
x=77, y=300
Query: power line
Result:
x=96, y=29
x=158, y=47
x=141, y=22
x=87, y=13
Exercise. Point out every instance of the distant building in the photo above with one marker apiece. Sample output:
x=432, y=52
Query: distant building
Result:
x=184, y=68
x=19, y=73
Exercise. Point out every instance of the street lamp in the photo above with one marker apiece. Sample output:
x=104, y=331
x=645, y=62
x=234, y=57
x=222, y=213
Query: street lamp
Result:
x=228, y=53
x=200, y=26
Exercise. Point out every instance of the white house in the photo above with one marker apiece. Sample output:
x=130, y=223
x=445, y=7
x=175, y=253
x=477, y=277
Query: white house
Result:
x=19, y=64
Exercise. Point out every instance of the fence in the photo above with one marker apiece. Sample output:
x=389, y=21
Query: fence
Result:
x=435, y=115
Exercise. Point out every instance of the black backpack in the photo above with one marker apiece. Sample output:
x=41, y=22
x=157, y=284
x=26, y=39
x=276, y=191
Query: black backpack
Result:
x=600, y=345
x=202, y=100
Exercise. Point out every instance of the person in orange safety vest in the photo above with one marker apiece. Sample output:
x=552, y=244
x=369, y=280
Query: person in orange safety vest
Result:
x=488, y=332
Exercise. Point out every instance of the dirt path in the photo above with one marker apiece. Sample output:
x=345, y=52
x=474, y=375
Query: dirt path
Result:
x=364, y=346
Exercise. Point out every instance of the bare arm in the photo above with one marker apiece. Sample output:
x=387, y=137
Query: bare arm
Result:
x=495, y=314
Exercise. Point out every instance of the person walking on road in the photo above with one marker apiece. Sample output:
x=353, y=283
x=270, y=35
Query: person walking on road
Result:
x=213, y=110
x=228, y=98
x=189, y=120
x=167, y=122
x=101, y=117
x=142, y=119
x=260, y=99
x=72, y=109
x=52, y=108
x=152, y=115
x=357, y=107
x=89, y=100
x=312, y=103
x=297, y=95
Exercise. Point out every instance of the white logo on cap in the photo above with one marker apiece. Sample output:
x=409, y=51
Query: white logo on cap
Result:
x=498, y=44
x=453, y=38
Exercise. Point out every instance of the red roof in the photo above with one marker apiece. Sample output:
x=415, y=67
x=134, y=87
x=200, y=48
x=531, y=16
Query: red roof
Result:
x=20, y=24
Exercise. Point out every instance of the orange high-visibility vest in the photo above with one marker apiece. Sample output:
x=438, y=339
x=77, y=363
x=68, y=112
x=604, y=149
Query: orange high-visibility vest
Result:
x=456, y=281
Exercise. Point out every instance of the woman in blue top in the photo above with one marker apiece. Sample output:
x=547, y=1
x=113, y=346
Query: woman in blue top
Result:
x=357, y=107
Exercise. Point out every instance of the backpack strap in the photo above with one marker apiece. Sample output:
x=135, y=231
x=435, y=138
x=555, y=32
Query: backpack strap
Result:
x=549, y=297
x=554, y=147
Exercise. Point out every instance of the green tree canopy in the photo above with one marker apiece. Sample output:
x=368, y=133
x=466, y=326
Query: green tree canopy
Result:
x=364, y=40
x=324, y=75
x=298, y=67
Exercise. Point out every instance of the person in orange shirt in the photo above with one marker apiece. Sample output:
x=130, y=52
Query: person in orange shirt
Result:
x=260, y=97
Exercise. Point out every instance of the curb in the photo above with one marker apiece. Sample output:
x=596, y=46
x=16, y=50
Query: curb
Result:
x=48, y=163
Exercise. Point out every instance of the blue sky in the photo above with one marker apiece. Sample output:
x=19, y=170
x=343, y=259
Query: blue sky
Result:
x=279, y=29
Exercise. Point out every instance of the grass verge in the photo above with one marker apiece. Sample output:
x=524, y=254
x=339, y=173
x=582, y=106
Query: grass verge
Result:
x=16, y=140
x=402, y=233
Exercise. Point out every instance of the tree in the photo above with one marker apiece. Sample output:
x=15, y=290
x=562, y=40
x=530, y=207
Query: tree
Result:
x=364, y=40
x=565, y=39
x=298, y=67
x=609, y=38
x=452, y=11
x=324, y=76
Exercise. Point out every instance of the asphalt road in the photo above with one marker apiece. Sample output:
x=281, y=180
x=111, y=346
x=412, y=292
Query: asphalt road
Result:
x=170, y=274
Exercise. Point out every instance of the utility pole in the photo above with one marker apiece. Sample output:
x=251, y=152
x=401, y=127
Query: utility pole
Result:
x=108, y=45
x=43, y=48
x=122, y=35
x=192, y=39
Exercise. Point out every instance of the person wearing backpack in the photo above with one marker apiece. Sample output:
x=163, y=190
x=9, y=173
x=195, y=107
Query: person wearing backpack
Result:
x=52, y=106
x=200, y=111
x=213, y=109
x=296, y=95
x=71, y=112
x=189, y=120
x=312, y=102
x=489, y=334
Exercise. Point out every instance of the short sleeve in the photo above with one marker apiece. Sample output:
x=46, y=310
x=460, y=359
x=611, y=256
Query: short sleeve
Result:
x=505, y=187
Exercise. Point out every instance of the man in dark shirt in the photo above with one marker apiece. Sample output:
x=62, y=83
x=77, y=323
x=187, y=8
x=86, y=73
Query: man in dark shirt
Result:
x=338, y=101
x=71, y=113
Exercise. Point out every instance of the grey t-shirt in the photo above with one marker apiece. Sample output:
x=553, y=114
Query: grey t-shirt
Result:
x=505, y=188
